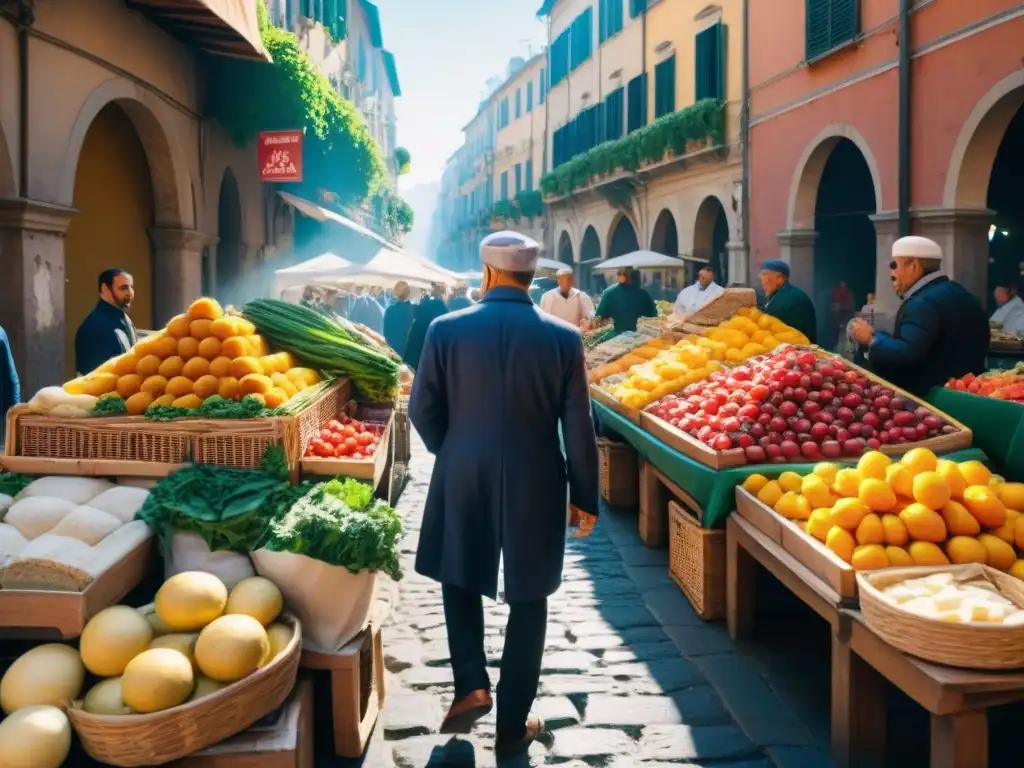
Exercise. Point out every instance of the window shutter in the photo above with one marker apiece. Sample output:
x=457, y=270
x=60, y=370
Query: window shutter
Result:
x=829, y=24
x=709, y=67
x=665, y=87
x=529, y=96
x=636, y=7
x=529, y=175
x=543, y=86
x=519, y=103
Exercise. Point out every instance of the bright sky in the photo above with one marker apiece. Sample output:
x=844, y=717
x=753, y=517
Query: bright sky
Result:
x=445, y=51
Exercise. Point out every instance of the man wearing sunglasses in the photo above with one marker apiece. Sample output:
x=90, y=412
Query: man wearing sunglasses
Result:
x=941, y=330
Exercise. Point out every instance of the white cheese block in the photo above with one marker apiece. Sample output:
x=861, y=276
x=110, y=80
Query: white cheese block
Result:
x=948, y=599
x=123, y=502
x=77, y=489
x=87, y=524
x=35, y=515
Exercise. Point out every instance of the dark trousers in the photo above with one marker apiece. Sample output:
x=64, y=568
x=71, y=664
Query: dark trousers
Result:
x=520, y=659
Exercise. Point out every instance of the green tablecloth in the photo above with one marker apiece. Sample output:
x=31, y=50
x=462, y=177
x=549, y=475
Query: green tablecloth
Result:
x=713, y=489
x=998, y=425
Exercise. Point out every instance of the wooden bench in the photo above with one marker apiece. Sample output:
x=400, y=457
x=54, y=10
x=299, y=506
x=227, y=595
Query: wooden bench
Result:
x=957, y=699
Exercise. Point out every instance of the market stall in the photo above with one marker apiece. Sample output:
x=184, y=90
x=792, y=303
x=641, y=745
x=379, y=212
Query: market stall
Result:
x=159, y=607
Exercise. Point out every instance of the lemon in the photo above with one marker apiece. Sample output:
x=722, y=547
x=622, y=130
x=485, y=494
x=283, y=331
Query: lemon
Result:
x=931, y=489
x=975, y=473
x=870, y=530
x=966, y=549
x=898, y=556
x=770, y=493
x=847, y=483
x=848, y=513
x=900, y=480
x=869, y=557
x=790, y=481
x=950, y=471
x=919, y=460
x=754, y=483
x=826, y=470
x=817, y=492
x=895, y=531
x=841, y=542
x=873, y=464
x=877, y=494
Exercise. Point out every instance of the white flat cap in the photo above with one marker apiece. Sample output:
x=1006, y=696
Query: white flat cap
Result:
x=914, y=247
x=565, y=272
x=510, y=251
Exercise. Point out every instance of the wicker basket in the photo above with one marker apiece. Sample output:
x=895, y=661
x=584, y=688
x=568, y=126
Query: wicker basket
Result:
x=620, y=481
x=970, y=646
x=725, y=306
x=161, y=737
x=162, y=446
x=696, y=562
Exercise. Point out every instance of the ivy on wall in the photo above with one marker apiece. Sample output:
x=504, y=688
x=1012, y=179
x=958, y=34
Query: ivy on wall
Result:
x=403, y=160
x=339, y=153
x=702, y=122
x=525, y=205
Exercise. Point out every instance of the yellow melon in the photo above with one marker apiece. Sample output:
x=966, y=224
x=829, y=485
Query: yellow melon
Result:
x=232, y=647
x=112, y=638
x=189, y=601
x=157, y=679
x=257, y=597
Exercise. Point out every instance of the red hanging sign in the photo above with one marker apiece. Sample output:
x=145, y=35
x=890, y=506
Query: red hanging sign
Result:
x=280, y=156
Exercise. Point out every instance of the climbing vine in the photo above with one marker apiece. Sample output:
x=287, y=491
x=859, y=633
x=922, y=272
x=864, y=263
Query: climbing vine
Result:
x=403, y=160
x=525, y=205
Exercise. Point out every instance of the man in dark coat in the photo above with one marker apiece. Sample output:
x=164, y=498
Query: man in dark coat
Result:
x=398, y=319
x=366, y=310
x=107, y=331
x=785, y=301
x=429, y=308
x=494, y=384
x=626, y=302
x=459, y=299
x=941, y=329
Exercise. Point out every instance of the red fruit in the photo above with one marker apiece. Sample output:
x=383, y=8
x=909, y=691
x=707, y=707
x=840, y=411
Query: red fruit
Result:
x=750, y=411
x=826, y=370
x=789, y=434
x=860, y=412
x=757, y=430
x=826, y=416
x=776, y=438
x=842, y=389
x=831, y=449
x=851, y=377
x=765, y=441
x=722, y=443
x=948, y=429
x=807, y=358
x=731, y=424
x=910, y=433
x=904, y=419
x=711, y=407
x=853, y=447
x=805, y=381
x=854, y=429
x=898, y=404
x=871, y=419
x=744, y=440
x=819, y=431
x=799, y=394
x=788, y=409
x=779, y=374
x=764, y=419
x=843, y=435
x=759, y=392
x=777, y=424
x=883, y=436
x=815, y=380
x=845, y=415
x=755, y=454
x=867, y=432
x=729, y=409
x=839, y=365
x=922, y=430
x=810, y=450
x=773, y=451
x=852, y=400
x=802, y=425
x=791, y=379
x=889, y=424
x=874, y=443
x=811, y=409
x=932, y=422
x=922, y=412
x=790, y=449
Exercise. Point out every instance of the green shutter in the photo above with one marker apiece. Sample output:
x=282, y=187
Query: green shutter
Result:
x=709, y=67
x=829, y=24
x=665, y=87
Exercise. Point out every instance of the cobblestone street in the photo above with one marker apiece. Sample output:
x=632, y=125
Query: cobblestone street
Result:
x=631, y=675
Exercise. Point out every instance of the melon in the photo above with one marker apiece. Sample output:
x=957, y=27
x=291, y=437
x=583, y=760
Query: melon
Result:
x=159, y=628
x=279, y=635
x=104, y=698
x=35, y=737
x=156, y=679
x=189, y=601
x=204, y=687
x=112, y=638
x=48, y=674
x=257, y=597
x=232, y=647
x=183, y=642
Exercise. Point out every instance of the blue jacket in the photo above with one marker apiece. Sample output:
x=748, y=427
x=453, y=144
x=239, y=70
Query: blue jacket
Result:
x=494, y=383
x=10, y=387
x=106, y=332
x=367, y=311
x=941, y=332
x=397, y=322
x=424, y=314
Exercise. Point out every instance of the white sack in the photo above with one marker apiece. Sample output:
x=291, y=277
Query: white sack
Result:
x=189, y=552
x=332, y=603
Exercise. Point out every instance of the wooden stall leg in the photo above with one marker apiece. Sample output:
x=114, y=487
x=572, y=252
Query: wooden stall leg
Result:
x=652, y=520
x=740, y=584
x=345, y=694
x=960, y=740
x=858, y=709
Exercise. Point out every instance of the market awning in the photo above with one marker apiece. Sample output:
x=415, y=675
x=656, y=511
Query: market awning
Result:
x=319, y=213
x=222, y=27
x=644, y=260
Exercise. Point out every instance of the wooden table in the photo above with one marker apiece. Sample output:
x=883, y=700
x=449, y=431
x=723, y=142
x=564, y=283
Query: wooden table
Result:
x=862, y=663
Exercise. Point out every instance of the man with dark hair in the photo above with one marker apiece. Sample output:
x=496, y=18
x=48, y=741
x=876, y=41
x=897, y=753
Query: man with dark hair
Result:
x=107, y=331
x=494, y=384
x=785, y=301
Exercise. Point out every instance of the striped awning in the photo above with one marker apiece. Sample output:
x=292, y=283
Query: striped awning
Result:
x=222, y=27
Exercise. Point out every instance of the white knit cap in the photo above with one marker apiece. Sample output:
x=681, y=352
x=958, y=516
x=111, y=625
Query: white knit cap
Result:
x=914, y=247
x=565, y=272
x=510, y=252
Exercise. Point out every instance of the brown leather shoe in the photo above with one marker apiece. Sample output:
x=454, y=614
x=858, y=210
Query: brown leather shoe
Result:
x=466, y=711
x=511, y=747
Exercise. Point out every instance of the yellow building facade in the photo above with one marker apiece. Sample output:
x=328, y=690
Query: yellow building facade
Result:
x=643, y=132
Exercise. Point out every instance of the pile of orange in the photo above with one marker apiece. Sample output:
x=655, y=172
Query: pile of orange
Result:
x=920, y=510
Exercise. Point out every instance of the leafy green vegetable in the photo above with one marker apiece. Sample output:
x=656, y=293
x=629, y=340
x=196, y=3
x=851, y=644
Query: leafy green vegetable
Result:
x=166, y=413
x=229, y=508
x=275, y=462
x=217, y=407
x=11, y=483
x=322, y=526
x=109, y=406
x=355, y=494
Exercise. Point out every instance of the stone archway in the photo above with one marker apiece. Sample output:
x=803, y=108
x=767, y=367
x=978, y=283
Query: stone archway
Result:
x=230, y=265
x=590, y=253
x=8, y=183
x=622, y=237
x=565, y=253
x=710, y=235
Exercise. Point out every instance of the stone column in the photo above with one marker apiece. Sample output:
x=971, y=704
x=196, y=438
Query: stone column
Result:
x=177, y=271
x=963, y=236
x=736, y=263
x=887, y=231
x=32, y=291
x=797, y=250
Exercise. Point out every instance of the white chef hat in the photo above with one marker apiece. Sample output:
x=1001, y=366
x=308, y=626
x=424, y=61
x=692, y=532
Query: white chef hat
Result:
x=914, y=247
x=510, y=252
x=565, y=272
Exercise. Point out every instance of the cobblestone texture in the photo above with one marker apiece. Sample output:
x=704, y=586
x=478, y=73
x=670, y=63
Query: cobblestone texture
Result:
x=632, y=677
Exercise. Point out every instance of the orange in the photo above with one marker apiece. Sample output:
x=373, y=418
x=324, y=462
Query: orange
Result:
x=206, y=386
x=137, y=404
x=950, y=471
x=931, y=489
x=898, y=556
x=841, y=542
x=966, y=549
x=243, y=366
x=870, y=530
x=224, y=328
x=792, y=505
x=820, y=523
x=187, y=401
x=1000, y=554
x=770, y=493
x=848, y=513
x=155, y=385
x=895, y=531
x=220, y=366
x=178, y=327
x=125, y=364
x=179, y=386
x=195, y=368
x=205, y=308
x=277, y=396
x=235, y=347
x=900, y=480
x=826, y=470
x=959, y=522
x=752, y=484
x=148, y=366
x=985, y=506
x=163, y=400
x=877, y=494
x=919, y=460
x=164, y=347
x=171, y=367
x=1012, y=495
x=1017, y=569
x=258, y=384
x=228, y=388
x=923, y=524
x=817, y=492
x=847, y=483
x=129, y=385
x=187, y=348
x=927, y=553
x=975, y=473
x=790, y=481
x=1018, y=531
x=1008, y=530
x=873, y=464
x=209, y=348
x=199, y=329
x=869, y=557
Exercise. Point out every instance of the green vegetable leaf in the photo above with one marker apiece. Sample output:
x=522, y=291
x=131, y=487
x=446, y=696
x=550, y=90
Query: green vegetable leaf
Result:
x=12, y=483
x=109, y=406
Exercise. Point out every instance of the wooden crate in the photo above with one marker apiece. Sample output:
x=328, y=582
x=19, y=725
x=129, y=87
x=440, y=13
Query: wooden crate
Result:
x=652, y=520
x=596, y=393
x=690, y=446
x=36, y=614
x=357, y=688
x=808, y=551
x=136, y=446
x=619, y=476
x=371, y=470
x=696, y=562
x=718, y=310
x=284, y=742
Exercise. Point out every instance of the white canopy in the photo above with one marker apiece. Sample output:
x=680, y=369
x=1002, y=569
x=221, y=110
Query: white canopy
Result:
x=550, y=265
x=389, y=267
x=642, y=260
x=320, y=269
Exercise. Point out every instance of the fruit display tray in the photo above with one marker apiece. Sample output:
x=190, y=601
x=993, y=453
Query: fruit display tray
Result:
x=633, y=415
x=821, y=561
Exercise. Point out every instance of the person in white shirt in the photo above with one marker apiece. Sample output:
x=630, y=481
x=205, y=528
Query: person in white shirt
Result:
x=695, y=296
x=1010, y=314
x=566, y=302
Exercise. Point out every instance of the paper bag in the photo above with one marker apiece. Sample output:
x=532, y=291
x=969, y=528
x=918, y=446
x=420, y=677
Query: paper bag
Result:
x=332, y=603
x=190, y=552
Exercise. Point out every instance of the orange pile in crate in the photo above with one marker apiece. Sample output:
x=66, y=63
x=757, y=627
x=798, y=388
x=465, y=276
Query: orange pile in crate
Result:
x=201, y=353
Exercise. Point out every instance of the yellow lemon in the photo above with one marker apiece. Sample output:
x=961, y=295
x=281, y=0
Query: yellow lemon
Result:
x=960, y=522
x=927, y=553
x=820, y=523
x=975, y=473
x=870, y=530
x=950, y=471
x=826, y=470
x=841, y=542
x=898, y=556
x=919, y=460
x=770, y=493
x=900, y=480
x=1000, y=554
x=1017, y=569
x=847, y=483
x=793, y=506
x=869, y=557
x=1008, y=530
x=873, y=464
x=966, y=549
x=1012, y=495
x=877, y=494
x=924, y=524
x=985, y=506
x=895, y=531
x=848, y=513
x=755, y=483
x=931, y=489
x=817, y=492
x=790, y=481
